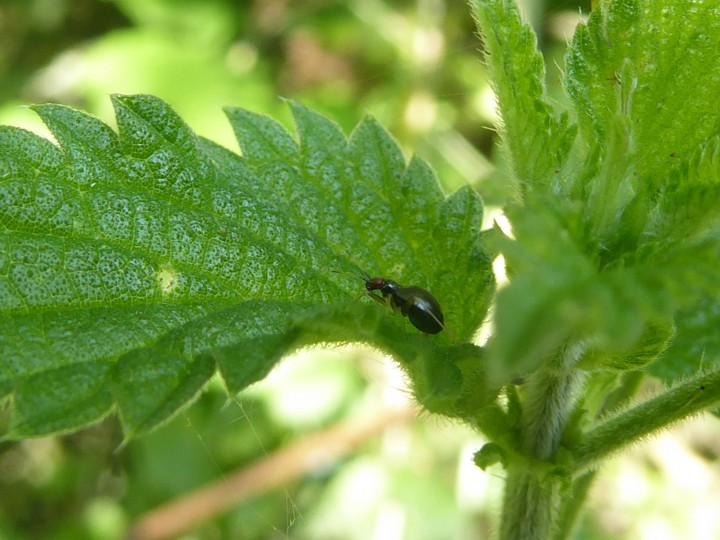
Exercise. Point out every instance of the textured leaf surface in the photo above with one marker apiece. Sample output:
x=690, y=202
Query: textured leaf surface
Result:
x=537, y=141
x=134, y=265
x=696, y=345
x=648, y=60
x=619, y=235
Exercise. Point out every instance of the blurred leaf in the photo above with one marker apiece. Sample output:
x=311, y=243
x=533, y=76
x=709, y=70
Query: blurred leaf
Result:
x=196, y=79
x=689, y=207
x=206, y=22
x=696, y=345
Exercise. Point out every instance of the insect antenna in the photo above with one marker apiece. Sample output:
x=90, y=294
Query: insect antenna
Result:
x=366, y=278
x=356, y=276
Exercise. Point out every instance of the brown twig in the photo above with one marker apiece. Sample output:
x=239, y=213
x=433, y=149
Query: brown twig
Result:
x=275, y=469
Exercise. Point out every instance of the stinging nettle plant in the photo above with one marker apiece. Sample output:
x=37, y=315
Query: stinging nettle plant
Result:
x=135, y=265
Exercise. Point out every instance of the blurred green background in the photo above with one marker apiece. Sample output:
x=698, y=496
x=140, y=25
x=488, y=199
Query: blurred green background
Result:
x=416, y=66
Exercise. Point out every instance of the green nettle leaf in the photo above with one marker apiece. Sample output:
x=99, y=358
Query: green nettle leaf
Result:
x=638, y=59
x=135, y=265
x=697, y=342
x=615, y=235
x=536, y=141
x=628, y=73
x=614, y=242
x=688, y=209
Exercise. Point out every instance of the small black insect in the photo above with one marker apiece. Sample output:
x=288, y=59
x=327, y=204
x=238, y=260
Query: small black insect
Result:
x=415, y=303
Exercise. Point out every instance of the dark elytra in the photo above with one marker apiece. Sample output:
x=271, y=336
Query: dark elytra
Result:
x=416, y=303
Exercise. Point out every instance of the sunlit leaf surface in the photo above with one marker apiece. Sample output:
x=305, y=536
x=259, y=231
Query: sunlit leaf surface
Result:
x=134, y=265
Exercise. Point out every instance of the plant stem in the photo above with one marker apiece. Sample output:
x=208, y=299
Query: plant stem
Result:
x=688, y=398
x=571, y=506
x=572, y=502
x=532, y=496
x=529, y=506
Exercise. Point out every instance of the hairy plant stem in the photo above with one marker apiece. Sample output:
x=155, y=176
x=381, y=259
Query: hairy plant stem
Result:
x=690, y=397
x=532, y=496
x=571, y=504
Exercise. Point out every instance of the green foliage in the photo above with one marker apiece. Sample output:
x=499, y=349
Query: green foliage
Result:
x=614, y=242
x=136, y=264
x=536, y=141
x=643, y=62
x=616, y=235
